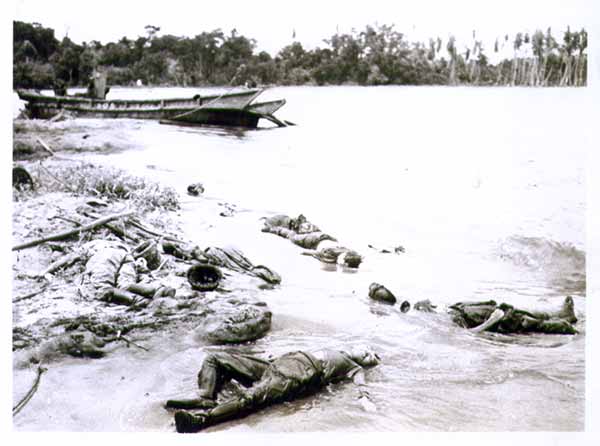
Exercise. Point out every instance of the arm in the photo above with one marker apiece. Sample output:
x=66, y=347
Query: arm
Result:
x=66, y=260
x=364, y=397
x=492, y=320
x=425, y=305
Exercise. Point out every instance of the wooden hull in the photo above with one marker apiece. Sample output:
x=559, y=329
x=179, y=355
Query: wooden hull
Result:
x=45, y=107
x=226, y=117
x=231, y=109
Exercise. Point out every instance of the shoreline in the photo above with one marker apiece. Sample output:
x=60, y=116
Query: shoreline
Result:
x=49, y=308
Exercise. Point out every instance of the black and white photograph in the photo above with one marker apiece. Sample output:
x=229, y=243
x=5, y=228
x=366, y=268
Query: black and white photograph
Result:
x=238, y=218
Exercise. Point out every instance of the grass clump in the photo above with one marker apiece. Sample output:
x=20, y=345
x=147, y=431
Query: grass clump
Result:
x=109, y=183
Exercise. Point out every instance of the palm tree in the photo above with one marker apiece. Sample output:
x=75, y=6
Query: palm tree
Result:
x=537, y=45
x=451, y=48
x=582, y=59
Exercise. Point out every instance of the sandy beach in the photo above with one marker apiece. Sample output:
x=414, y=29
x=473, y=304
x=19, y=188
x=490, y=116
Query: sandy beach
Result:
x=49, y=307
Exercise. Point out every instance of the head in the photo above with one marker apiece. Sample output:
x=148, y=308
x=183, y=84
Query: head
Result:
x=82, y=345
x=352, y=259
x=364, y=356
x=405, y=306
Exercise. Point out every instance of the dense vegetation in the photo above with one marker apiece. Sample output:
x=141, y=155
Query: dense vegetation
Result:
x=378, y=55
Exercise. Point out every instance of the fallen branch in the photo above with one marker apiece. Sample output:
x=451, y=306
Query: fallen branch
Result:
x=66, y=234
x=30, y=295
x=45, y=146
x=31, y=392
x=122, y=233
x=129, y=342
x=70, y=220
x=58, y=116
x=140, y=226
x=163, y=263
x=52, y=152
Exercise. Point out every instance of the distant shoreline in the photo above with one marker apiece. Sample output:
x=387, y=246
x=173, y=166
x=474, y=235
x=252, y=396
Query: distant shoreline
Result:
x=376, y=55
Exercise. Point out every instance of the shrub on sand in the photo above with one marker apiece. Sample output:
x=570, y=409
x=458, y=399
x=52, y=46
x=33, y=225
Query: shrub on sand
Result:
x=90, y=179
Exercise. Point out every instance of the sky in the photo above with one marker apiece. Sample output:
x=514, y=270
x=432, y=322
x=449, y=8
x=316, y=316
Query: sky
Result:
x=272, y=23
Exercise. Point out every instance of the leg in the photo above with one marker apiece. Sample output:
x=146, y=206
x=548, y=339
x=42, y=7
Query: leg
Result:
x=216, y=370
x=151, y=290
x=268, y=391
x=185, y=422
x=557, y=326
x=566, y=312
x=221, y=367
x=122, y=297
x=548, y=326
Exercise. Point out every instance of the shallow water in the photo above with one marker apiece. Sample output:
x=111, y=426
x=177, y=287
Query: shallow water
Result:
x=485, y=190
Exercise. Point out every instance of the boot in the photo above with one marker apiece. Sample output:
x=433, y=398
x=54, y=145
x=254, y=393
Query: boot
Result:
x=186, y=423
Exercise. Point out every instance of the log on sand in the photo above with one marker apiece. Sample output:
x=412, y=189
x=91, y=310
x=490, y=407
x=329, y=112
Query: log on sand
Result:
x=65, y=234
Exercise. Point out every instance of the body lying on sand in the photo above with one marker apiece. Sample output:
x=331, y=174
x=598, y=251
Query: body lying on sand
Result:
x=113, y=274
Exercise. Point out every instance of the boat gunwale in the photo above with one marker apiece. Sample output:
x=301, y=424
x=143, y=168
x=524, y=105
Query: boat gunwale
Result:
x=172, y=110
x=198, y=99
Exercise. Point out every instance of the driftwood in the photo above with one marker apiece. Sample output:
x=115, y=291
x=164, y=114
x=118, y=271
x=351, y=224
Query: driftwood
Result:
x=57, y=117
x=70, y=220
x=30, y=295
x=31, y=392
x=136, y=223
x=45, y=146
x=119, y=232
x=120, y=337
x=65, y=234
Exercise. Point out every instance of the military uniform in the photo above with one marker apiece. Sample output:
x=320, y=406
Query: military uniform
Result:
x=287, y=377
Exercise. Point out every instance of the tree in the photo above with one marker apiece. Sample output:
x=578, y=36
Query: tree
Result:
x=451, y=48
x=42, y=39
x=26, y=52
x=66, y=62
x=151, y=30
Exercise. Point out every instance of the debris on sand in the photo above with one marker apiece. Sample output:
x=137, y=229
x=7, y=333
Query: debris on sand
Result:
x=99, y=262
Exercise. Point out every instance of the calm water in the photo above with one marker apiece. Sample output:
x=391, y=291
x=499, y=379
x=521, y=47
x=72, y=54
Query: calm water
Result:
x=485, y=190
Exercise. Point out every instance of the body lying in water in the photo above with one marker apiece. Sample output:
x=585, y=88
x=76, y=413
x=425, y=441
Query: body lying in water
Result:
x=505, y=318
x=307, y=235
x=285, y=378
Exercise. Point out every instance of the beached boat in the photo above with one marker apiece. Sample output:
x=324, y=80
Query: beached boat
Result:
x=224, y=115
x=228, y=109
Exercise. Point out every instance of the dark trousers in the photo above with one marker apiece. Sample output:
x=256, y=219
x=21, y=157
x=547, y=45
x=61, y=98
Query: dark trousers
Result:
x=219, y=368
x=286, y=378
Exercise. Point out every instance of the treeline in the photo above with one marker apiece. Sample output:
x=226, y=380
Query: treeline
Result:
x=378, y=55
